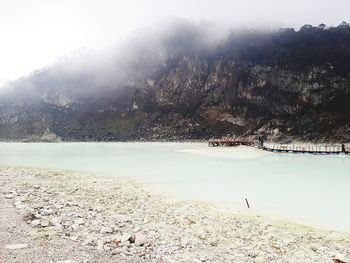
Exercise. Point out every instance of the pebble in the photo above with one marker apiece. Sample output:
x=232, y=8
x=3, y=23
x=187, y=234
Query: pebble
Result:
x=35, y=223
x=106, y=247
x=16, y=246
x=100, y=246
x=45, y=222
x=47, y=212
x=125, y=237
x=56, y=221
x=79, y=221
x=106, y=230
x=140, y=239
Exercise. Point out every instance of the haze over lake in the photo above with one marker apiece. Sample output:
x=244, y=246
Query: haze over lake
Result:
x=305, y=188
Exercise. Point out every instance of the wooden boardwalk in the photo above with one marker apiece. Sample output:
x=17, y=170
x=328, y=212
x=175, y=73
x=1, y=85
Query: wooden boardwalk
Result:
x=230, y=142
x=283, y=148
x=307, y=148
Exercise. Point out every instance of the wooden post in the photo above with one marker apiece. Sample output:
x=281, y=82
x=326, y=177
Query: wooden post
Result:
x=246, y=200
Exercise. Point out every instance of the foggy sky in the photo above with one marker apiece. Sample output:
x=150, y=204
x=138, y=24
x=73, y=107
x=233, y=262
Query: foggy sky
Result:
x=34, y=33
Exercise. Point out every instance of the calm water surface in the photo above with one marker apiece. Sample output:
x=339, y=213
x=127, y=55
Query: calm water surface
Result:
x=304, y=188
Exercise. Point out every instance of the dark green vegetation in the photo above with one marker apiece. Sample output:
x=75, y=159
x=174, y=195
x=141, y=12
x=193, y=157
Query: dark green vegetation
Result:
x=187, y=81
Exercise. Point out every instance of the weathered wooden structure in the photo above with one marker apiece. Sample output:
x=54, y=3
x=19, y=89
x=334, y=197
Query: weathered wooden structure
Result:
x=227, y=141
x=308, y=148
x=283, y=148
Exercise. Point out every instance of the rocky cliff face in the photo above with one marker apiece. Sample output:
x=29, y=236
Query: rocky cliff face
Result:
x=259, y=84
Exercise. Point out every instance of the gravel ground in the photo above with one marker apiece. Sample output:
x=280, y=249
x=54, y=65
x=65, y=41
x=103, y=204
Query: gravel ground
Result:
x=65, y=217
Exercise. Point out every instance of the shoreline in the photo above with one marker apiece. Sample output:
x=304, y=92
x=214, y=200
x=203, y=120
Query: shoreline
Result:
x=222, y=152
x=108, y=218
x=239, y=210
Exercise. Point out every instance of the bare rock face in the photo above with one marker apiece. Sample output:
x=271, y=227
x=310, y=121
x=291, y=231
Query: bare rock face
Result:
x=50, y=137
x=282, y=85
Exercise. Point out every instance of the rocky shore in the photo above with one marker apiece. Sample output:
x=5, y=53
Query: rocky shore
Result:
x=66, y=217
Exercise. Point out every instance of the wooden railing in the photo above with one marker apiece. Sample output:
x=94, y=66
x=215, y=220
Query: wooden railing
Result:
x=228, y=139
x=274, y=147
x=305, y=148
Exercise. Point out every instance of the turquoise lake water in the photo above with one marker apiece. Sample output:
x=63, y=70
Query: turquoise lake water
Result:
x=304, y=188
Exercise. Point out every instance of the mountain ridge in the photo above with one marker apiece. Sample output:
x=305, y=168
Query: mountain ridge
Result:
x=283, y=85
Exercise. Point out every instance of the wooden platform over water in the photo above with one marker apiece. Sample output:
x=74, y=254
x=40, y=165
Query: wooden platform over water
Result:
x=283, y=148
x=230, y=142
x=307, y=148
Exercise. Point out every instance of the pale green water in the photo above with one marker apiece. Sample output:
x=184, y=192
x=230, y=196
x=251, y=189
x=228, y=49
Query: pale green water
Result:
x=305, y=188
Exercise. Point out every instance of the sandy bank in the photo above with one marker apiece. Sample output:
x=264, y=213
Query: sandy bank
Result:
x=52, y=216
x=239, y=152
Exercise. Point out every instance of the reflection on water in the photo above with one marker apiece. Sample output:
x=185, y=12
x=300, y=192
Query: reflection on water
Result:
x=313, y=189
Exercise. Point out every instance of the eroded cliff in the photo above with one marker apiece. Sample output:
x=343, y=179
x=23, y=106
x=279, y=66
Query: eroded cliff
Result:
x=284, y=85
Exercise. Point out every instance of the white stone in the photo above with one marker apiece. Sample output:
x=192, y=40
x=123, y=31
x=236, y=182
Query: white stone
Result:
x=125, y=237
x=79, y=221
x=106, y=247
x=45, y=222
x=140, y=239
x=106, y=230
x=35, y=223
x=100, y=246
x=47, y=212
x=16, y=246
x=56, y=221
